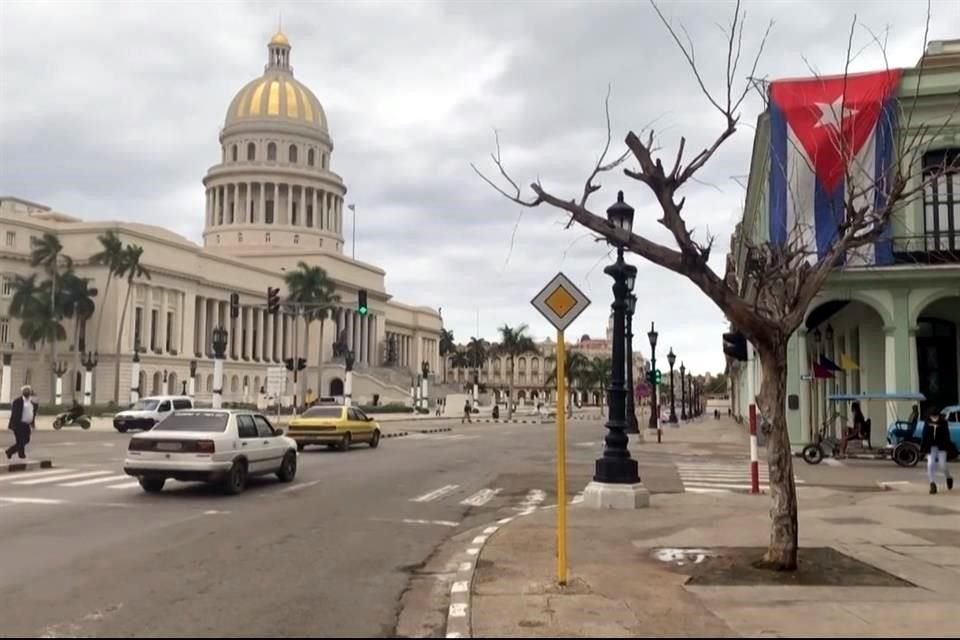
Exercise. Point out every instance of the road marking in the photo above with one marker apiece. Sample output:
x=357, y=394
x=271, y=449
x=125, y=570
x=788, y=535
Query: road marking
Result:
x=436, y=493
x=833, y=462
x=298, y=487
x=473, y=551
x=479, y=540
x=461, y=586
x=705, y=490
x=504, y=520
x=577, y=499
x=214, y=512
x=32, y=500
x=465, y=566
x=723, y=485
x=458, y=610
x=61, y=478
x=439, y=523
x=490, y=530
x=83, y=483
x=481, y=497
x=33, y=474
x=125, y=485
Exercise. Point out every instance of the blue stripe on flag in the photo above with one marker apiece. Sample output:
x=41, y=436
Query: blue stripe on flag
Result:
x=778, y=176
x=827, y=214
x=883, y=248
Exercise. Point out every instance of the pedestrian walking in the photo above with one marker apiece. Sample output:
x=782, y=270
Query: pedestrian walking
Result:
x=23, y=414
x=466, y=413
x=936, y=444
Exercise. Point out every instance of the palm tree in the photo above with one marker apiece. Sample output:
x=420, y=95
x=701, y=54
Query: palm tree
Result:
x=514, y=341
x=46, y=253
x=310, y=285
x=25, y=290
x=112, y=257
x=447, y=346
x=576, y=372
x=599, y=375
x=133, y=269
x=460, y=360
x=77, y=302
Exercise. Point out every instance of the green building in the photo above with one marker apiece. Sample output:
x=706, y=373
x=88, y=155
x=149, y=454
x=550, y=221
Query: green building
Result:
x=892, y=328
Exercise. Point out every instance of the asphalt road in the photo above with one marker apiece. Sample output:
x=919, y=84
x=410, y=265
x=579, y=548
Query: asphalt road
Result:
x=85, y=553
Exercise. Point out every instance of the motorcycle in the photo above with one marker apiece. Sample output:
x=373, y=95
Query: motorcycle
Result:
x=69, y=419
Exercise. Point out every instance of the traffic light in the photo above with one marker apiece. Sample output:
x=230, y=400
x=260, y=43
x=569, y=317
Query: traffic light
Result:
x=234, y=305
x=288, y=363
x=362, y=308
x=301, y=364
x=735, y=345
x=273, y=299
x=654, y=377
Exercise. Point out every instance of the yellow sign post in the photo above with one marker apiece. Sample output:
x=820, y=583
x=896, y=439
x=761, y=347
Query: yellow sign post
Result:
x=561, y=302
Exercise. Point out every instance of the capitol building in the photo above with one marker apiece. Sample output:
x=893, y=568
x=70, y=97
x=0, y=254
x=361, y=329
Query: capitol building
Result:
x=272, y=201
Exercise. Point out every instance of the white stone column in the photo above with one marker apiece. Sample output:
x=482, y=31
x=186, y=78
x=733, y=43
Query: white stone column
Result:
x=162, y=317
x=247, y=212
x=198, y=329
x=5, y=384
x=316, y=215
x=258, y=343
x=349, y=319
x=268, y=337
x=260, y=215
x=372, y=340
x=364, y=334
x=233, y=352
x=289, y=219
x=148, y=318
x=216, y=206
x=249, y=323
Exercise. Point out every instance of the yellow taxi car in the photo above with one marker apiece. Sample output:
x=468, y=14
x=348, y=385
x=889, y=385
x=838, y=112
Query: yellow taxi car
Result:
x=336, y=426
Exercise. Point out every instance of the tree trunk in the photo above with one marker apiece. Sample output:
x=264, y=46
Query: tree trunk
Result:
x=782, y=552
x=123, y=322
x=320, y=360
x=106, y=292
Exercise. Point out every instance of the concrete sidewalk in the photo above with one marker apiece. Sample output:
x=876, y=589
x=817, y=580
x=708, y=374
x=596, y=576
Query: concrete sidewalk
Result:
x=629, y=571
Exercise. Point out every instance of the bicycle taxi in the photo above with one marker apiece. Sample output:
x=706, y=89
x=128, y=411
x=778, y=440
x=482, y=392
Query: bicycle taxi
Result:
x=903, y=435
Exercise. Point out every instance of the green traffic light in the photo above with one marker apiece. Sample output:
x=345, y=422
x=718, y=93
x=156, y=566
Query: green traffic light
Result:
x=362, y=311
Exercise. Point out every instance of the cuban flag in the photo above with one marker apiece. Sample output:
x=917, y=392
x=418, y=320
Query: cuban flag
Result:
x=828, y=135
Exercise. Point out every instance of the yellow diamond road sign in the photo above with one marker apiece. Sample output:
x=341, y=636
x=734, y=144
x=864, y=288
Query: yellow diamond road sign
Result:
x=561, y=302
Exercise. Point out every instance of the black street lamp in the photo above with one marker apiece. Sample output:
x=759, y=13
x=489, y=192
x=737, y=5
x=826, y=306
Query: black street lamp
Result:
x=89, y=360
x=632, y=426
x=672, y=358
x=654, y=391
x=616, y=466
x=683, y=393
x=219, y=342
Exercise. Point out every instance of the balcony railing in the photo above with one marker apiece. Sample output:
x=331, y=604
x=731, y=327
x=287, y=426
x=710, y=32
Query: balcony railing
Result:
x=941, y=247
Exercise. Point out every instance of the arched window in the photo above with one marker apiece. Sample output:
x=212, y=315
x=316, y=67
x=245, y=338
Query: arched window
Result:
x=235, y=384
x=311, y=157
x=293, y=153
x=234, y=152
x=272, y=152
x=251, y=151
x=522, y=362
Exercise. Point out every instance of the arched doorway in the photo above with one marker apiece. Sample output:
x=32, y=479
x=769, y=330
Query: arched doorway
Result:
x=157, y=384
x=596, y=398
x=336, y=387
x=521, y=397
x=173, y=388
x=938, y=352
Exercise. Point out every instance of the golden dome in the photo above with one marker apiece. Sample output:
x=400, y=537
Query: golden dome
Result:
x=280, y=38
x=277, y=96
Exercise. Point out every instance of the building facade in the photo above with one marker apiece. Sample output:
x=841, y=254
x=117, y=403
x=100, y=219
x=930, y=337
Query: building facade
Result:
x=272, y=201
x=890, y=329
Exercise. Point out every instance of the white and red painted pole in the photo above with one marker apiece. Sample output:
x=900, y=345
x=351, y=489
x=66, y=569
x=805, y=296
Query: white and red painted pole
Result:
x=754, y=463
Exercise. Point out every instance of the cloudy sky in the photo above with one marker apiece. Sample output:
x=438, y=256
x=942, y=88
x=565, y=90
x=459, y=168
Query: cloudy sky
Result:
x=111, y=110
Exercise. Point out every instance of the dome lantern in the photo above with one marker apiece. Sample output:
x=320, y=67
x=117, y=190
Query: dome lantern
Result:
x=279, y=56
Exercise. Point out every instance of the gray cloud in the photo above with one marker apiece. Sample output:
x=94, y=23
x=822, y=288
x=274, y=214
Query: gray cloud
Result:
x=116, y=109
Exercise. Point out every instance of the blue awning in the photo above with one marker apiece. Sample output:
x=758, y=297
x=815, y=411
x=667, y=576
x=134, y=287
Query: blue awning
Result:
x=853, y=397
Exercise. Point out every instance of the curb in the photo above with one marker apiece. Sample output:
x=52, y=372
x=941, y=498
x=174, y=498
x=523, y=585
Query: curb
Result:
x=15, y=467
x=437, y=430
x=395, y=434
x=461, y=590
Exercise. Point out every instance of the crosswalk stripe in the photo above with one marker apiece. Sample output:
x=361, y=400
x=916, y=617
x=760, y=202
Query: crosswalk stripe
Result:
x=721, y=485
x=61, y=478
x=125, y=485
x=704, y=490
x=84, y=483
x=436, y=494
x=32, y=474
x=481, y=497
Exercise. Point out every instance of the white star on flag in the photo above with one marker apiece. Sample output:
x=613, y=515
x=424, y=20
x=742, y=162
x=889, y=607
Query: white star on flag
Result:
x=830, y=113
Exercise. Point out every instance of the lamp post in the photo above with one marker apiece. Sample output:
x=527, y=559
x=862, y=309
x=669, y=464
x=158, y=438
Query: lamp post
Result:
x=616, y=481
x=192, y=388
x=135, y=374
x=59, y=369
x=672, y=358
x=654, y=391
x=632, y=426
x=349, y=358
x=219, y=351
x=683, y=393
x=89, y=362
x=425, y=388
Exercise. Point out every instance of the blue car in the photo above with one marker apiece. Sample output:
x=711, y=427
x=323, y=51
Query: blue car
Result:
x=900, y=432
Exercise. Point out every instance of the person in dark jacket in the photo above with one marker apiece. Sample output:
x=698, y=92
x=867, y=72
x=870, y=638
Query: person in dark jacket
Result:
x=23, y=413
x=936, y=444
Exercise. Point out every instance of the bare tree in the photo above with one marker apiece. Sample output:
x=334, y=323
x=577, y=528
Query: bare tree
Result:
x=769, y=300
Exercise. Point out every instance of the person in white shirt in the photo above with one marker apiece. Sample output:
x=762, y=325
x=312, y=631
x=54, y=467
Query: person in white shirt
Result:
x=23, y=413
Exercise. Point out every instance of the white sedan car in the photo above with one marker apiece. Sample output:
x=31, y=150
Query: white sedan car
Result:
x=210, y=445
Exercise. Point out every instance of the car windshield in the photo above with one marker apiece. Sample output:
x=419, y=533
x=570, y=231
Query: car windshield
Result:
x=144, y=405
x=213, y=421
x=322, y=412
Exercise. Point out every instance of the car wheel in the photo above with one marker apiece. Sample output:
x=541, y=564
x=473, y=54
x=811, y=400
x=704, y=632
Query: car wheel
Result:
x=84, y=423
x=812, y=454
x=346, y=442
x=152, y=485
x=300, y=446
x=236, y=480
x=288, y=468
x=58, y=424
x=122, y=429
x=906, y=454
x=375, y=439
